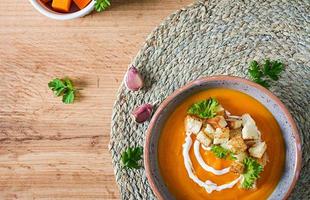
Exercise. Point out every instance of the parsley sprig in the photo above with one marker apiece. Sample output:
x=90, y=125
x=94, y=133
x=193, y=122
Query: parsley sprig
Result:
x=63, y=87
x=221, y=152
x=252, y=169
x=273, y=69
x=204, y=109
x=101, y=5
x=263, y=75
x=131, y=156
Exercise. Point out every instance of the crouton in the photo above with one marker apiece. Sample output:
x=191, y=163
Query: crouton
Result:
x=235, y=117
x=217, y=122
x=210, y=135
x=220, y=110
x=227, y=113
x=263, y=160
x=224, y=145
x=203, y=139
x=236, y=144
x=234, y=123
x=213, y=122
x=237, y=167
x=258, y=149
x=192, y=124
x=246, y=118
x=221, y=135
x=250, y=131
x=209, y=131
x=240, y=156
x=235, y=132
x=222, y=122
x=250, y=143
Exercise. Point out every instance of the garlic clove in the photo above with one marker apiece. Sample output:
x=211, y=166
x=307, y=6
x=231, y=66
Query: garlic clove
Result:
x=142, y=113
x=133, y=79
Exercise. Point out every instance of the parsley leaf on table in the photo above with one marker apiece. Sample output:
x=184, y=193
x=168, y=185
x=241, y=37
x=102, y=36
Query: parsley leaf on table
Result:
x=263, y=75
x=262, y=82
x=252, y=169
x=273, y=69
x=131, y=156
x=255, y=70
x=63, y=87
x=68, y=97
x=57, y=86
x=101, y=5
x=204, y=109
x=256, y=74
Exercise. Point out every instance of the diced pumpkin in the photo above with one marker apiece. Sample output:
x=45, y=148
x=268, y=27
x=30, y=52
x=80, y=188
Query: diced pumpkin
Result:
x=61, y=5
x=81, y=3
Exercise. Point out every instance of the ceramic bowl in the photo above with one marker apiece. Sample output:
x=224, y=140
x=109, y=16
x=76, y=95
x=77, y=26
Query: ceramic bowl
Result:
x=264, y=96
x=39, y=6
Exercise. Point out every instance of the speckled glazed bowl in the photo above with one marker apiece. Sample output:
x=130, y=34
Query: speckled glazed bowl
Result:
x=264, y=96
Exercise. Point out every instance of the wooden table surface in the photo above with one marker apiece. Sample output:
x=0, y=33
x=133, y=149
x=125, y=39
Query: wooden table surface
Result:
x=49, y=150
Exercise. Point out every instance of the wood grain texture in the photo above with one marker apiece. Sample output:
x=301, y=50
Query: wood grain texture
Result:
x=49, y=150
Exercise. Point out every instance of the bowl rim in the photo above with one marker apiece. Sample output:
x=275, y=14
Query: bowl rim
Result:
x=298, y=155
x=62, y=16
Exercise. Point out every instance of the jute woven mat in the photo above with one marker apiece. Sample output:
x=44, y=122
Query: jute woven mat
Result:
x=213, y=38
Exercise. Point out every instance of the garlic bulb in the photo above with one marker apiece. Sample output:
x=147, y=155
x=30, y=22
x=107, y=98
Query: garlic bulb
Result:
x=133, y=79
x=142, y=113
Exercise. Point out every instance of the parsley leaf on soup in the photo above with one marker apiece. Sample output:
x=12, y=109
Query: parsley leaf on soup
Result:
x=222, y=153
x=252, y=169
x=219, y=151
x=204, y=109
x=131, y=156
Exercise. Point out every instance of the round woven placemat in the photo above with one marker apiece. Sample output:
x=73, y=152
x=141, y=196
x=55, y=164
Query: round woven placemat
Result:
x=213, y=38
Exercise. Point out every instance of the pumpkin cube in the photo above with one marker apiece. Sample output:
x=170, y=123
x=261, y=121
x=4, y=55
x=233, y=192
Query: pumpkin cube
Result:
x=81, y=3
x=61, y=5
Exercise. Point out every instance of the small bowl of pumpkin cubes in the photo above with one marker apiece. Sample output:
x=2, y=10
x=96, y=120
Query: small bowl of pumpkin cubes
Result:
x=64, y=9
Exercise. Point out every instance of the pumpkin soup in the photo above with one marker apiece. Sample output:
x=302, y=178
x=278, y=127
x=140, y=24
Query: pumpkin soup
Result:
x=221, y=144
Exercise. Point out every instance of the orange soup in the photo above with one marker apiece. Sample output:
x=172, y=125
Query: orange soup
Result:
x=171, y=162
